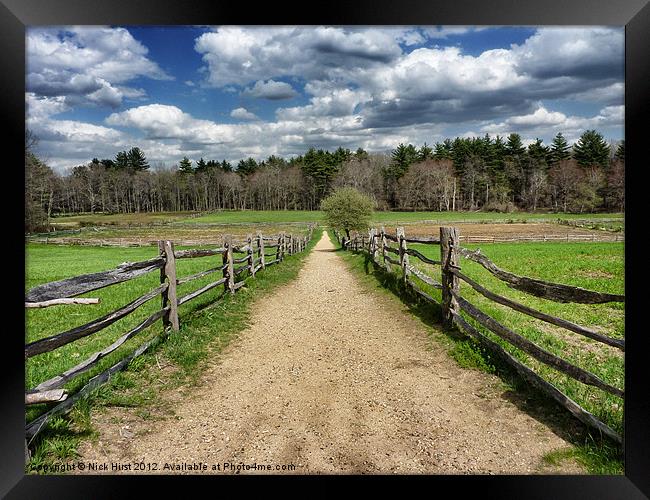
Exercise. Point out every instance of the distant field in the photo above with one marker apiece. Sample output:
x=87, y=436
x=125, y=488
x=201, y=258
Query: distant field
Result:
x=595, y=266
x=76, y=221
x=286, y=216
x=383, y=217
x=178, y=233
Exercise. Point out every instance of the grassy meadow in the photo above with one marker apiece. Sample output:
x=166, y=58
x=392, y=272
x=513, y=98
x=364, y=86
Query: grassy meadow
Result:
x=594, y=266
x=290, y=216
x=207, y=324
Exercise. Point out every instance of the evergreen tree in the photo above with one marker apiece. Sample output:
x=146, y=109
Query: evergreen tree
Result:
x=137, y=162
x=108, y=163
x=226, y=166
x=361, y=154
x=321, y=166
x=620, y=151
x=341, y=155
x=591, y=150
x=514, y=147
x=247, y=166
x=185, y=166
x=442, y=150
x=402, y=157
x=201, y=165
x=538, y=152
x=121, y=161
x=560, y=149
x=276, y=161
x=425, y=153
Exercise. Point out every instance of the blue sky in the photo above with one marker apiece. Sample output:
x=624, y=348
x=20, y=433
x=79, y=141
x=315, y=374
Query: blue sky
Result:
x=232, y=92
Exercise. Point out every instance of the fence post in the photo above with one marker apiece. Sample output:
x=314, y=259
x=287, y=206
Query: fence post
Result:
x=383, y=248
x=228, y=272
x=403, y=256
x=260, y=249
x=169, y=296
x=373, y=244
x=450, y=283
x=278, y=251
x=251, y=257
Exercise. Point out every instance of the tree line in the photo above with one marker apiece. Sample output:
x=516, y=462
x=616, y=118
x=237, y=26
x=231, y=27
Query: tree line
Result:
x=477, y=173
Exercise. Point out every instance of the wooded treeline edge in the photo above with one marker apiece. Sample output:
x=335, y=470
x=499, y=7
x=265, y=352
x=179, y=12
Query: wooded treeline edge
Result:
x=461, y=174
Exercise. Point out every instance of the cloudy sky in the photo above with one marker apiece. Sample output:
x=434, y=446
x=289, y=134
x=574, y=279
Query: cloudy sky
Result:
x=233, y=92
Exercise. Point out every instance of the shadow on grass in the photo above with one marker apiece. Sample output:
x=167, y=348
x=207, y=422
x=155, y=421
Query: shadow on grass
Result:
x=598, y=451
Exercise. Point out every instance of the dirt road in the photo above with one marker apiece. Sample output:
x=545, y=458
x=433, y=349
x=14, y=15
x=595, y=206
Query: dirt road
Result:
x=331, y=377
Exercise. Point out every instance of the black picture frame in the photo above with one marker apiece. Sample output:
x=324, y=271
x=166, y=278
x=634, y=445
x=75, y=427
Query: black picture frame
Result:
x=633, y=14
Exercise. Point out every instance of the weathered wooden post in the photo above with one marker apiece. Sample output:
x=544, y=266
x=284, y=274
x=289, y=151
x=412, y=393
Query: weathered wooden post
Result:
x=228, y=271
x=169, y=296
x=260, y=249
x=403, y=256
x=450, y=282
x=382, y=247
x=289, y=245
x=251, y=257
x=373, y=244
x=278, y=251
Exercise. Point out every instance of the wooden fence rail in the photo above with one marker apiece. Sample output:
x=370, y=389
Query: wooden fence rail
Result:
x=61, y=293
x=452, y=303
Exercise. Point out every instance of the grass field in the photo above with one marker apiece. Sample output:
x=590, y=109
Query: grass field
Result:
x=46, y=263
x=228, y=217
x=595, y=266
x=207, y=325
x=283, y=216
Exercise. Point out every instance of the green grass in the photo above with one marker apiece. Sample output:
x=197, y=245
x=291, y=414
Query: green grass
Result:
x=257, y=216
x=595, y=266
x=279, y=216
x=207, y=324
x=393, y=217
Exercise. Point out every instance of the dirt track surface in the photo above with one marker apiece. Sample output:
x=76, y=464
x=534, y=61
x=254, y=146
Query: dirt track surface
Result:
x=334, y=378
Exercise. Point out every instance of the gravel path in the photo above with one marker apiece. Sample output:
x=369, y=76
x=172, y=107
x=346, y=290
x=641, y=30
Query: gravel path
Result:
x=334, y=378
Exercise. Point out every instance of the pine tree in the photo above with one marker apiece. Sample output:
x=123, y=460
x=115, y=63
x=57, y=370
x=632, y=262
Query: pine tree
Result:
x=442, y=150
x=226, y=166
x=591, y=150
x=137, y=162
x=185, y=166
x=514, y=147
x=620, y=151
x=201, y=165
x=121, y=161
x=361, y=154
x=560, y=149
x=341, y=155
x=425, y=153
x=538, y=152
x=402, y=157
x=247, y=166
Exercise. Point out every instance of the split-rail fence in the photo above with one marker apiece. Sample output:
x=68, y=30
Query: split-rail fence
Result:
x=239, y=262
x=387, y=250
